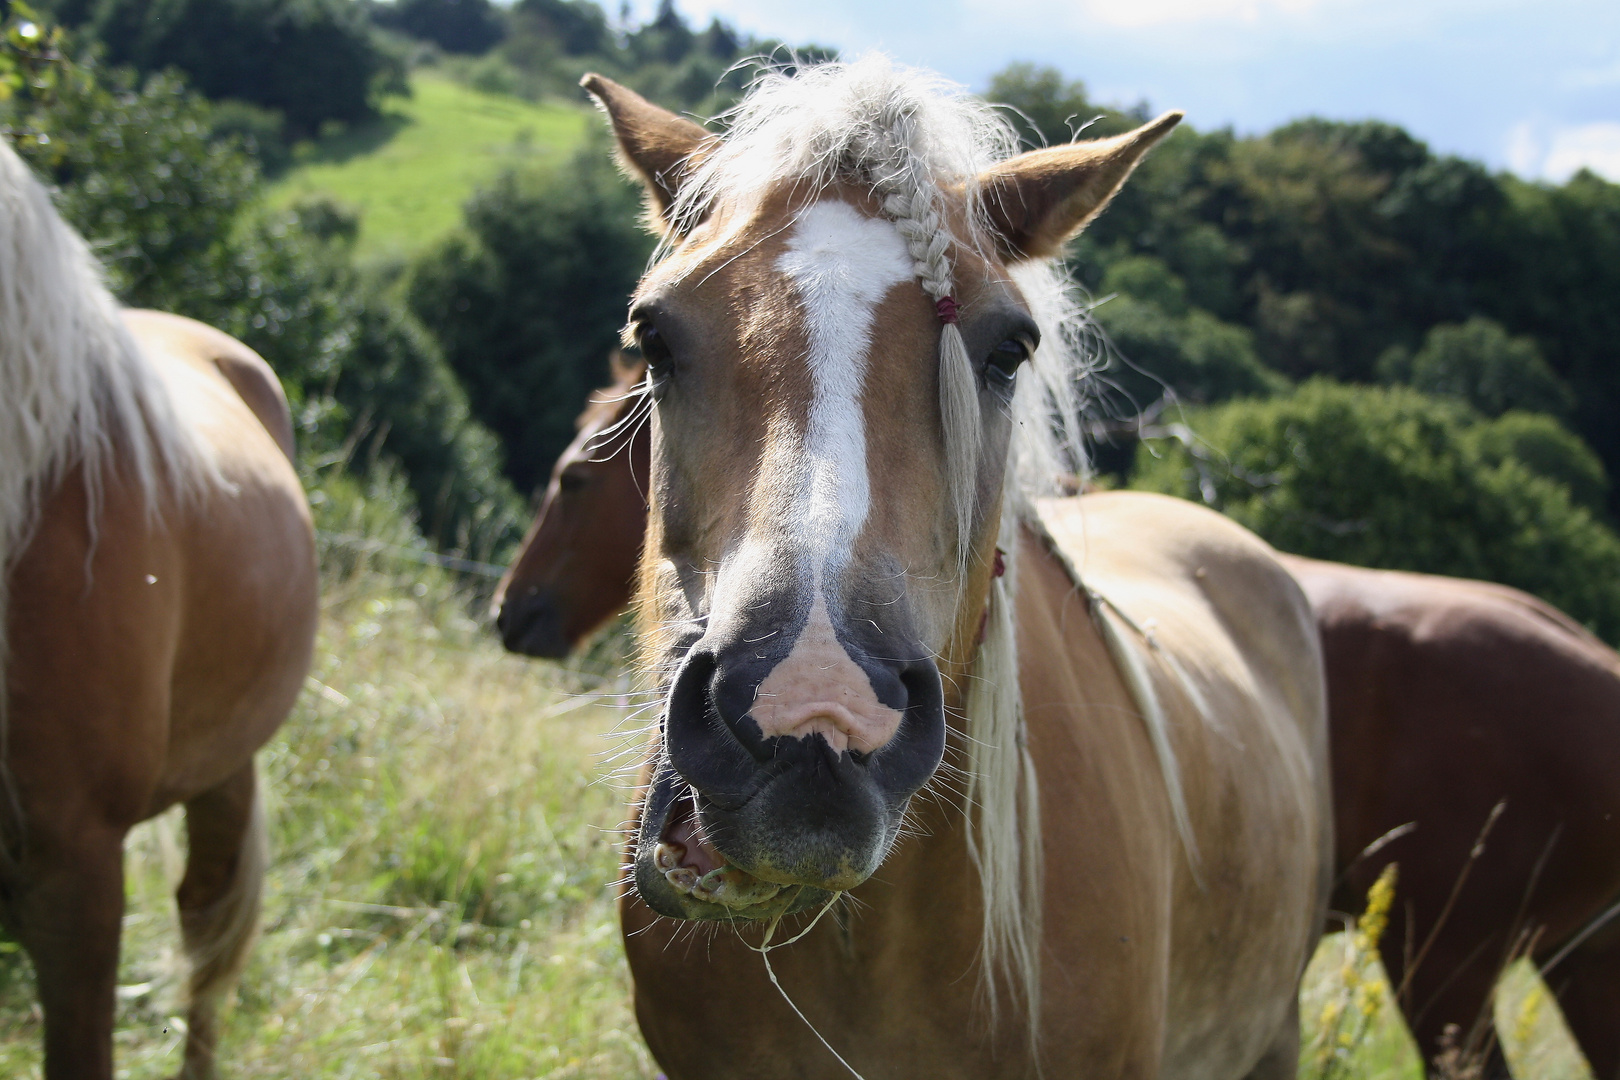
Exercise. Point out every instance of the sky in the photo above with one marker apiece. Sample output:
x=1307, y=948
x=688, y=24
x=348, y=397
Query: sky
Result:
x=1530, y=87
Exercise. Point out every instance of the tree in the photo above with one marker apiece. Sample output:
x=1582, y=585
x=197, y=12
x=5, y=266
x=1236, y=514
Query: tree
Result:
x=312, y=60
x=1392, y=478
x=457, y=26
x=1481, y=364
x=527, y=300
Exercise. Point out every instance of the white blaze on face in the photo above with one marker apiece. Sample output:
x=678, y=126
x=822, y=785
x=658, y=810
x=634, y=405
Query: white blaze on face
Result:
x=842, y=264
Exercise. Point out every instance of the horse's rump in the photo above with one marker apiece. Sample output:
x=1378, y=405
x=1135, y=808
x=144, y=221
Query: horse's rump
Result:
x=1448, y=697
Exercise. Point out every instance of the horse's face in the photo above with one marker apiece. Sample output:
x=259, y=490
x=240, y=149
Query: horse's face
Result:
x=806, y=573
x=575, y=568
x=802, y=553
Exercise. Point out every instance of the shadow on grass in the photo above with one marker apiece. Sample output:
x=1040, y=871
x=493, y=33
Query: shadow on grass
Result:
x=358, y=141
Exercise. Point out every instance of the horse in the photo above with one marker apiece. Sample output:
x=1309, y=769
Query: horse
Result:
x=159, y=591
x=572, y=573
x=1429, y=680
x=1066, y=758
x=1447, y=697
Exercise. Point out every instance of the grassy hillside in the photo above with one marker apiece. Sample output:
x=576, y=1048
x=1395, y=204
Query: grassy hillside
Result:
x=409, y=173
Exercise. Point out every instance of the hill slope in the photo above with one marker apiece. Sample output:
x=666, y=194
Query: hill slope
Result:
x=410, y=172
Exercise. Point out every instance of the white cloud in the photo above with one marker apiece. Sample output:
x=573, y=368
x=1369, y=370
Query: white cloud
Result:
x=1525, y=149
x=1592, y=146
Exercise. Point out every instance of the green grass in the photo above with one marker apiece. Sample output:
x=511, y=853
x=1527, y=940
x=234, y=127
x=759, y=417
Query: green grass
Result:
x=409, y=173
x=443, y=831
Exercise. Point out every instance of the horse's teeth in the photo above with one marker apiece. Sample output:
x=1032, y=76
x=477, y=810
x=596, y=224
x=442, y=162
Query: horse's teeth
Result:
x=683, y=878
x=668, y=856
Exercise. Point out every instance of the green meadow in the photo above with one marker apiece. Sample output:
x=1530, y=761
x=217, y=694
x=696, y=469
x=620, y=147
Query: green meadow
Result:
x=409, y=173
x=444, y=825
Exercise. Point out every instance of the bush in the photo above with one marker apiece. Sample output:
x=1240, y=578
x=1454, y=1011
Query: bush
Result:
x=1546, y=448
x=366, y=382
x=527, y=300
x=1480, y=363
x=313, y=60
x=1394, y=479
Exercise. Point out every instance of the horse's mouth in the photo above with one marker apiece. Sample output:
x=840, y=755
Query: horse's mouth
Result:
x=694, y=867
x=680, y=873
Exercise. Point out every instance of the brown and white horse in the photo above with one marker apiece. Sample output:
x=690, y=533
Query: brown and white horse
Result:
x=1440, y=691
x=1122, y=832
x=159, y=598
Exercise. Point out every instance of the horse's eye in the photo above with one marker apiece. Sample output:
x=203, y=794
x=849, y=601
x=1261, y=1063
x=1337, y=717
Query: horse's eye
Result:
x=1005, y=358
x=655, y=350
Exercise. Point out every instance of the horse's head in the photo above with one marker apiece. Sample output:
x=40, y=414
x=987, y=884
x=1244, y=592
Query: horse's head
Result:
x=574, y=570
x=833, y=338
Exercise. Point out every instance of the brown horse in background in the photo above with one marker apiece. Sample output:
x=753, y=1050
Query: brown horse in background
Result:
x=573, y=571
x=159, y=593
x=1444, y=696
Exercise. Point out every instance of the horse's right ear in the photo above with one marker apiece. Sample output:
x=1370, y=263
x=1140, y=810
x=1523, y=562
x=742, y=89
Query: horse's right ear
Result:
x=655, y=145
x=1037, y=201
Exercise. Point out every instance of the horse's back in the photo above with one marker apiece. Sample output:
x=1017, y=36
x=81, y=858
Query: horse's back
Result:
x=175, y=336
x=1448, y=696
x=1223, y=642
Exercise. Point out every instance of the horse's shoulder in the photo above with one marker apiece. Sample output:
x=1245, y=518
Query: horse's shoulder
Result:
x=202, y=346
x=1198, y=587
x=1137, y=542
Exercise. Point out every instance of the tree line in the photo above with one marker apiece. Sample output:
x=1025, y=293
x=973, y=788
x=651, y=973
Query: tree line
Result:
x=1359, y=347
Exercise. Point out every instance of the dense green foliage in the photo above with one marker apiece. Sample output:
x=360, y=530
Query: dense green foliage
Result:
x=312, y=60
x=457, y=26
x=1392, y=478
x=549, y=44
x=139, y=171
x=1335, y=243
x=1481, y=364
x=528, y=299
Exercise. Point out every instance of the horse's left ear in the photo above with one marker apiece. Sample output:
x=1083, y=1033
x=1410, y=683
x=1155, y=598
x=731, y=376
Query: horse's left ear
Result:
x=655, y=144
x=1037, y=201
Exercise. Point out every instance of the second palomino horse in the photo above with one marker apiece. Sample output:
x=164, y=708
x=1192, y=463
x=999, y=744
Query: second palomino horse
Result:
x=1058, y=769
x=159, y=598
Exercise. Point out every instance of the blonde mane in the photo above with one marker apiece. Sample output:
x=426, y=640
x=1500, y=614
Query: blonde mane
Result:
x=75, y=389
x=910, y=136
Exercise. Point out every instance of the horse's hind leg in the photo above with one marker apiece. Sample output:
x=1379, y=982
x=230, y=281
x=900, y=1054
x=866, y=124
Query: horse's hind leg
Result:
x=219, y=904
x=67, y=911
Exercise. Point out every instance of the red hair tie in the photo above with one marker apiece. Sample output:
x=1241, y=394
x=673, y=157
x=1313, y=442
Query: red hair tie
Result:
x=945, y=307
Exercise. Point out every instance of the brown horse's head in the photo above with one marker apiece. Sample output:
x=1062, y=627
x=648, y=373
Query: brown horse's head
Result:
x=574, y=570
x=833, y=338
